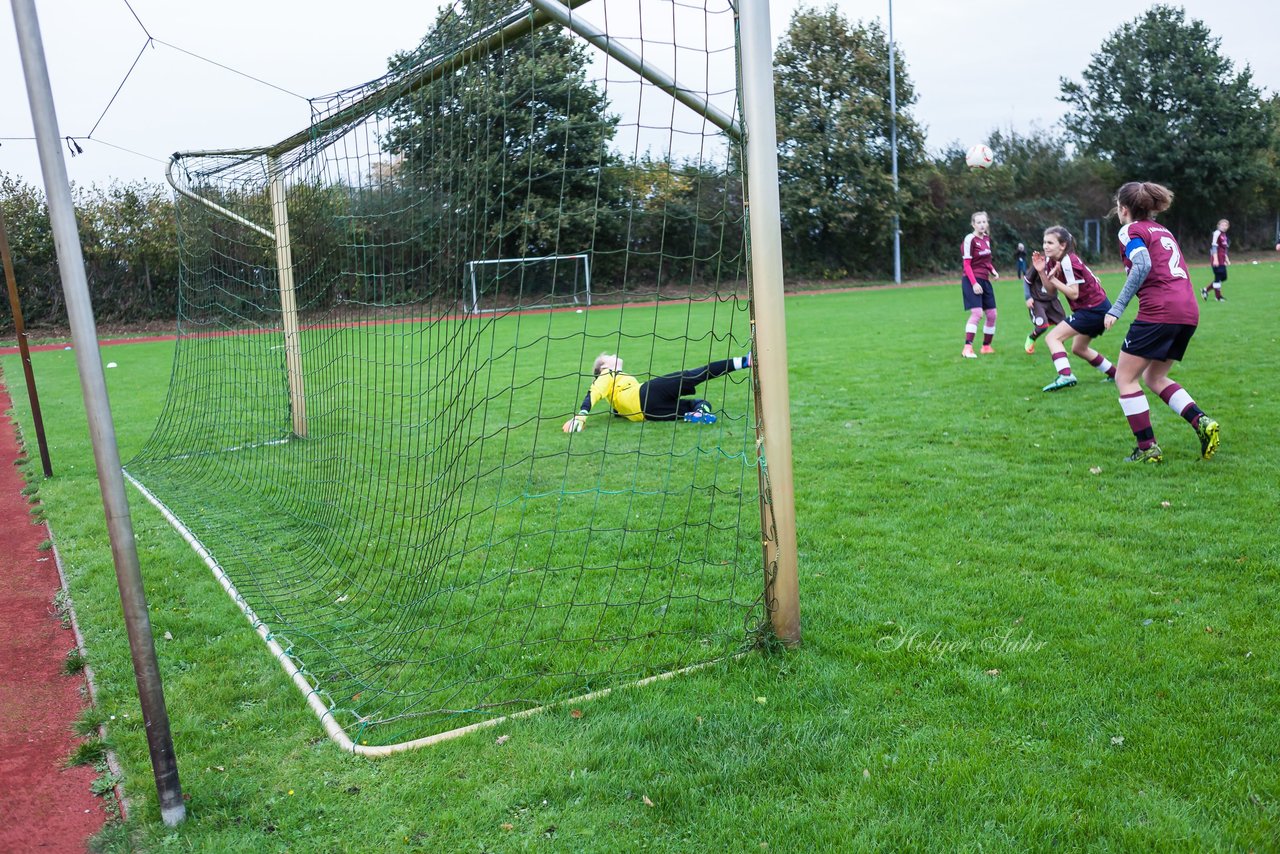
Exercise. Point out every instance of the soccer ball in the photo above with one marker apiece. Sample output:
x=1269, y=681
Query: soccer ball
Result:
x=979, y=157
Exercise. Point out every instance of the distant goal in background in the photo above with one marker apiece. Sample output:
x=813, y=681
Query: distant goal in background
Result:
x=513, y=284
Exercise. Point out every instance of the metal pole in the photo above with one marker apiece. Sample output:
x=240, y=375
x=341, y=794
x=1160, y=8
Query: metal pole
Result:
x=782, y=593
x=893, y=148
x=20, y=330
x=93, y=383
x=288, y=300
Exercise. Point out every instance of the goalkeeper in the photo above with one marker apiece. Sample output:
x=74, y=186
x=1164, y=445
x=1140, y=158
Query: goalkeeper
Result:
x=659, y=399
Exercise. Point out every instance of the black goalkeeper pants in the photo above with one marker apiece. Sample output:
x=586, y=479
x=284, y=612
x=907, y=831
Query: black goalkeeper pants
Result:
x=662, y=398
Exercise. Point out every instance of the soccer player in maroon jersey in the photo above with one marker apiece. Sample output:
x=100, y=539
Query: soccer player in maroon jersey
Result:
x=1219, y=260
x=1060, y=268
x=975, y=287
x=1167, y=317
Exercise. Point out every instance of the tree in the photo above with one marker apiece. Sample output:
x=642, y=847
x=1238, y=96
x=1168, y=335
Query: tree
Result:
x=1163, y=104
x=834, y=157
x=509, y=154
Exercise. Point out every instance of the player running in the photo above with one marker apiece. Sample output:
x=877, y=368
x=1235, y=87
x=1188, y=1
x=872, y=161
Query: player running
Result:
x=1167, y=317
x=1218, y=259
x=975, y=287
x=659, y=399
x=1061, y=269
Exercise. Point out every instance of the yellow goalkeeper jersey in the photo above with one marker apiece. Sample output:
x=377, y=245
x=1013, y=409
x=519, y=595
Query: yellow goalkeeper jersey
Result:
x=621, y=390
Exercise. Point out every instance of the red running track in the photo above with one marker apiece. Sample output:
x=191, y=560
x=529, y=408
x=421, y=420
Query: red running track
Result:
x=43, y=806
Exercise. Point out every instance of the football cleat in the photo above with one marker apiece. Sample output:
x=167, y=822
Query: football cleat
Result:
x=1151, y=454
x=1029, y=345
x=1207, y=430
x=1061, y=382
x=968, y=353
x=1204, y=293
x=987, y=350
x=700, y=414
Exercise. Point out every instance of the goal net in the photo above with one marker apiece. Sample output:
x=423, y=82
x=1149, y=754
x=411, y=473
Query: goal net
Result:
x=513, y=284
x=363, y=435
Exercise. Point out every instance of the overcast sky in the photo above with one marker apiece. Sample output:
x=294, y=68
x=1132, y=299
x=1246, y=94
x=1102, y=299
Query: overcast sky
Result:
x=976, y=65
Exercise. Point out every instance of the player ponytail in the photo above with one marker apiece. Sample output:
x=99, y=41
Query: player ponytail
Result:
x=1063, y=236
x=1144, y=199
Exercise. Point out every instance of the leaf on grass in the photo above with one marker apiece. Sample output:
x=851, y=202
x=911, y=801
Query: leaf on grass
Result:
x=1095, y=470
x=1165, y=504
x=168, y=636
x=762, y=700
x=508, y=826
x=575, y=713
x=1117, y=740
x=1208, y=629
x=866, y=773
x=502, y=739
x=993, y=672
x=646, y=800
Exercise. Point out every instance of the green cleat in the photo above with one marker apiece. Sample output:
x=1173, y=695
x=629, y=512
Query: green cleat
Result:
x=1152, y=454
x=1029, y=345
x=1207, y=430
x=1061, y=382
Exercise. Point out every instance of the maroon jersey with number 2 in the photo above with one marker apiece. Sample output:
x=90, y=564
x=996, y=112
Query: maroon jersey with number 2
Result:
x=1167, y=295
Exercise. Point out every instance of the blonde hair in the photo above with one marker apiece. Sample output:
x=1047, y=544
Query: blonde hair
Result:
x=606, y=359
x=974, y=217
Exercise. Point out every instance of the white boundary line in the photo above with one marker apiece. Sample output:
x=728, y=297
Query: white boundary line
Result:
x=312, y=693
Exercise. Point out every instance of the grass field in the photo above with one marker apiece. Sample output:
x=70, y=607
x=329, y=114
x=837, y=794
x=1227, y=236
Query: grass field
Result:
x=437, y=551
x=1012, y=639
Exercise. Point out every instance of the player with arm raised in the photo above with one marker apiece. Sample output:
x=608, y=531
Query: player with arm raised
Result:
x=1218, y=259
x=975, y=287
x=1167, y=317
x=659, y=399
x=1061, y=269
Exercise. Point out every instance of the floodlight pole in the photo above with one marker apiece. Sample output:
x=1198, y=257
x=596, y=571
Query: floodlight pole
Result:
x=782, y=590
x=124, y=551
x=20, y=330
x=893, y=148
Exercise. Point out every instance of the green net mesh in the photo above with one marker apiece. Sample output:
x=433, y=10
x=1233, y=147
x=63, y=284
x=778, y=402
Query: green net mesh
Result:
x=396, y=501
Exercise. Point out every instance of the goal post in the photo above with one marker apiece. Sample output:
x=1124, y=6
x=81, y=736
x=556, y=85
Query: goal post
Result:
x=441, y=554
x=518, y=284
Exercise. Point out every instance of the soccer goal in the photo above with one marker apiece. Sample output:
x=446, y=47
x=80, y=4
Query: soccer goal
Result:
x=365, y=444
x=517, y=284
